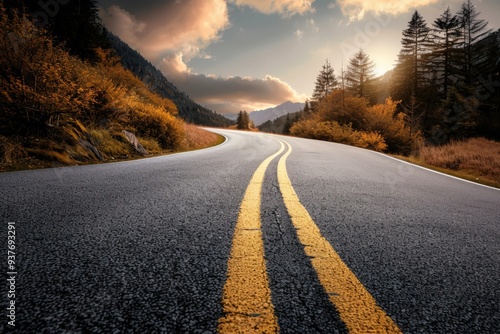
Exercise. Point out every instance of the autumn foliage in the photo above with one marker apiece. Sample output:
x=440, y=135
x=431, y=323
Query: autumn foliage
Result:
x=344, y=118
x=48, y=94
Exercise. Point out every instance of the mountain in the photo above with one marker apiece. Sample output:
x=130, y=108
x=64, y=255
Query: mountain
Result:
x=232, y=117
x=189, y=110
x=280, y=125
x=261, y=116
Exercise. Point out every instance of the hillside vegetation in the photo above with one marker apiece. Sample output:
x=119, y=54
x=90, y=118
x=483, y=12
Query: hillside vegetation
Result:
x=442, y=99
x=59, y=108
x=189, y=110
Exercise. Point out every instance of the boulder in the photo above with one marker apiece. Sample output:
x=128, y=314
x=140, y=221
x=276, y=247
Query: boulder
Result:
x=135, y=142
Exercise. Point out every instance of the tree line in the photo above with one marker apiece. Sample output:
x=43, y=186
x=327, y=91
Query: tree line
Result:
x=445, y=86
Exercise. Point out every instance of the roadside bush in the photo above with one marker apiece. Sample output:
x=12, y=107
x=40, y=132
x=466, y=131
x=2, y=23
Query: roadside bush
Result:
x=382, y=119
x=329, y=131
x=155, y=122
x=371, y=140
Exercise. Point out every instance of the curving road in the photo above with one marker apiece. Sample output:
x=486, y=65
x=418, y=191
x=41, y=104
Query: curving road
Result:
x=145, y=246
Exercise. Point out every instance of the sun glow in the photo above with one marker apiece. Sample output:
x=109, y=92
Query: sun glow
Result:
x=379, y=71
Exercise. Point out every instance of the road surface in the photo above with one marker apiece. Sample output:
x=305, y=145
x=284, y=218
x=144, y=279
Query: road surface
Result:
x=275, y=233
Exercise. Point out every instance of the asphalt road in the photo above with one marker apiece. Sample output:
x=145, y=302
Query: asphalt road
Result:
x=143, y=246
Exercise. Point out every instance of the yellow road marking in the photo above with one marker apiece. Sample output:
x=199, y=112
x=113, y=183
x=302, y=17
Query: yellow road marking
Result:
x=357, y=308
x=246, y=299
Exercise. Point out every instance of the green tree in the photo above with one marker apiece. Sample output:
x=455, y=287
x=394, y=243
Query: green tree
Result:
x=288, y=124
x=445, y=41
x=325, y=82
x=411, y=82
x=410, y=71
x=474, y=54
x=243, y=121
x=360, y=74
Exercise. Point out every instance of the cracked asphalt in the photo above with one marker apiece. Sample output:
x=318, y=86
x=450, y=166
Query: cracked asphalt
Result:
x=142, y=246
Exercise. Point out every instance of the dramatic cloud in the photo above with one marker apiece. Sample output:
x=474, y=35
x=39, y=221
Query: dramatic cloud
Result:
x=123, y=24
x=356, y=9
x=181, y=26
x=231, y=94
x=284, y=7
x=177, y=31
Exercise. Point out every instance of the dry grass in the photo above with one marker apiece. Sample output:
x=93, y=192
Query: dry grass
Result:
x=52, y=156
x=196, y=138
x=477, y=157
x=11, y=151
x=110, y=146
x=35, y=153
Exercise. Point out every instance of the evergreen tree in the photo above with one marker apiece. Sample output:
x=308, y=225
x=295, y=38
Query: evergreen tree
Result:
x=243, y=121
x=307, y=108
x=359, y=75
x=411, y=82
x=445, y=41
x=325, y=82
x=288, y=125
x=410, y=71
x=473, y=53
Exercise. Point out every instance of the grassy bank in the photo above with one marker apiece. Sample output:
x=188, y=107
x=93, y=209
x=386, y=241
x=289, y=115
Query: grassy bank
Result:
x=475, y=159
x=25, y=153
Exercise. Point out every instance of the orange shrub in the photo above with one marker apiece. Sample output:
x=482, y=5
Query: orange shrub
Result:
x=382, y=118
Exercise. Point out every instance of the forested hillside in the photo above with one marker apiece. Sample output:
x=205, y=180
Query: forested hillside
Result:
x=156, y=81
x=281, y=125
x=73, y=107
x=445, y=87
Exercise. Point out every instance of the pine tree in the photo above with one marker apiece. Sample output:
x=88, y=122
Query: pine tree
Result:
x=473, y=30
x=410, y=71
x=445, y=41
x=307, y=108
x=288, y=125
x=359, y=74
x=325, y=82
x=243, y=121
x=411, y=82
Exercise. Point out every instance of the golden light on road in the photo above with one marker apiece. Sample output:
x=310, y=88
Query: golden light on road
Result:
x=357, y=308
x=246, y=298
x=246, y=301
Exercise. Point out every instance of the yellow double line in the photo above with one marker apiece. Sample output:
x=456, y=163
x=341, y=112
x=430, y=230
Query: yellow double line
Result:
x=246, y=298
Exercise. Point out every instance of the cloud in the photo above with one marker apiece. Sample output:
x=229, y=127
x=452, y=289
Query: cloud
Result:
x=178, y=31
x=311, y=24
x=123, y=24
x=332, y=5
x=229, y=94
x=183, y=26
x=356, y=9
x=298, y=33
x=286, y=8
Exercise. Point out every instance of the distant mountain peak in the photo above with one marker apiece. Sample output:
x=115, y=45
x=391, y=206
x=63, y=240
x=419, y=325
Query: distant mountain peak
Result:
x=262, y=116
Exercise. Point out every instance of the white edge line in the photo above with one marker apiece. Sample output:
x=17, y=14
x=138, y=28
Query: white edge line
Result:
x=435, y=171
x=405, y=162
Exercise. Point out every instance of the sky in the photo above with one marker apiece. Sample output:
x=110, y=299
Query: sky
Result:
x=232, y=55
